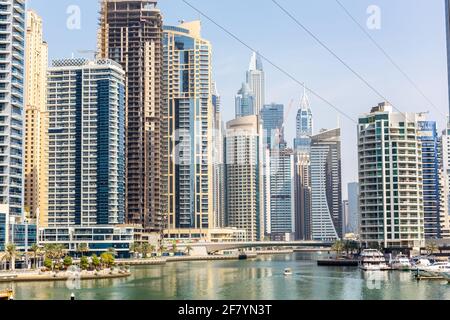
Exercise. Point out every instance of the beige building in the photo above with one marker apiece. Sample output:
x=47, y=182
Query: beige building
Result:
x=244, y=176
x=36, y=122
x=187, y=131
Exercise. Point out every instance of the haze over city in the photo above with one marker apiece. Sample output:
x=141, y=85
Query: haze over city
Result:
x=421, y=53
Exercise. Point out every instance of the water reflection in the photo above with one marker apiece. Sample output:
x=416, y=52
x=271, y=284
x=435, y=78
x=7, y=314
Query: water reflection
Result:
x=262, y=278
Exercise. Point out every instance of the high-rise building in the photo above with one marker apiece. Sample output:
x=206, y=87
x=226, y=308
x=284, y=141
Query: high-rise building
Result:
x=188, y=145
x=86, y=171
x=345, y=216
x=12, y=61
x=272, y=117
x=219, y=219
x=36, y=121
x=131, y=34
x=302, y=159
x=244, y=102
x=86, y=143
x=390, y=178
x=244, y=176
x=256, y=81
x=326, y=190
x=304, y=125
x=280, y=193
x=352, y=225
x=428, y=136
x=302, y=184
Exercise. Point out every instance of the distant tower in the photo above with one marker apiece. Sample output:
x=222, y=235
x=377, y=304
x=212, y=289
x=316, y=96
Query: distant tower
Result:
x=245, y=102
x=256, y=81
x=304, y=125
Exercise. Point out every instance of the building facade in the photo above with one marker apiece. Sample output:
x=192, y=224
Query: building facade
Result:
x=390, y=178
x=302, y=159
x=272, y=117
x=244, y=102
x=352, y=225
x=36, y=121
x=326, y=191
x=12, y=74
x=280, y=194
x=244, y=176
x=428, y=136
x=86, y=143
x=131, y=34
x=445, y=183
x=188, y=143
x=256, y=82
x=219, y=219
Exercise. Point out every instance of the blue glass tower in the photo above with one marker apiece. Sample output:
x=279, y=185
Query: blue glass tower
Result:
x=272, y=116
x=245, y=102
x=431, y=187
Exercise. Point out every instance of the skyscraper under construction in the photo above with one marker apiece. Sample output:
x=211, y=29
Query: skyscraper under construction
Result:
x=131, y=34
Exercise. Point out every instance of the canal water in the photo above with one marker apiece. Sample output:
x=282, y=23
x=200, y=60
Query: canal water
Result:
x=261, y=278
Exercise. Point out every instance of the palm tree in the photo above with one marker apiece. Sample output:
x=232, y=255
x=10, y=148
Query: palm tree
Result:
x=337, y=247
x=112, y=251
x=152, y=248
x=135, y=248
x=145, y=249
x=11, y=254
x=432, y=247
x=188, y=249
x=36, y=250
x=83, y=248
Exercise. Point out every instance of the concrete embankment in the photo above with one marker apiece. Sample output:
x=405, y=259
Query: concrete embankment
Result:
x=163, y=260
x=61, y=276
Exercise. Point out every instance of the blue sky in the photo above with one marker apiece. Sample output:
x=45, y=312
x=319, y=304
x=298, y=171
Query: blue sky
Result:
x=412, y=32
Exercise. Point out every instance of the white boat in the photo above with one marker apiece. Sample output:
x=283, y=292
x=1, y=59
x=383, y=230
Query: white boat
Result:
x=372, y=260
x=436, y=270
x=287, y=272
x=401, y=262
x=421, y=262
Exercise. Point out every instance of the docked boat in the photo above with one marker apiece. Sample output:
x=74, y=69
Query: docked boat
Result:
x=421, y=262
x=434, y=271
x=6, y=294
x=287, y=271
x=401, y=262
x=372, y=260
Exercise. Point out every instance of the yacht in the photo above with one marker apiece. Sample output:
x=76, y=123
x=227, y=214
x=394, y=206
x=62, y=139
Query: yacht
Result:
x=401, y=262
x=372, y=260
x=436, y=270
x=421, y=262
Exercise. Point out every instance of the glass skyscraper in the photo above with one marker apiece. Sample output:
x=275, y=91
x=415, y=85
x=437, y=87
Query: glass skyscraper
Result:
x=304, y=125
x=256, y=82
x=12, y=64
x=244, y=102
x=427, y=134
x=272, y=116
x=326, y=192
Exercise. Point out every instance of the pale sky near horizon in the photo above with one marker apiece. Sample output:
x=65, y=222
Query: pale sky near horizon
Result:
x=412, y=32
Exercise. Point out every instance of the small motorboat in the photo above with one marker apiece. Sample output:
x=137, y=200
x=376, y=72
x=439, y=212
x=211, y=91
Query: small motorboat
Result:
x=287, y=271
x=401, y=262
x=6, y=294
